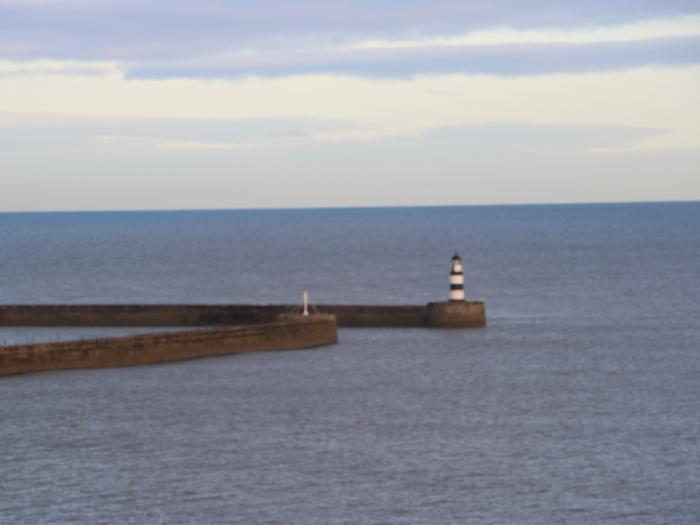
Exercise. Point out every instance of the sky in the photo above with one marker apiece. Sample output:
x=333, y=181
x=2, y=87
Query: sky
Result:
x=155, y=104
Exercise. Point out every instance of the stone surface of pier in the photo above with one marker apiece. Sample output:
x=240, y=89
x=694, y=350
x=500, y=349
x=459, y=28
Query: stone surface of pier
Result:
x=290, y=333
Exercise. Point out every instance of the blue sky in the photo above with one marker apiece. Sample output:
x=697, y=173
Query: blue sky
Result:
x=108, y=104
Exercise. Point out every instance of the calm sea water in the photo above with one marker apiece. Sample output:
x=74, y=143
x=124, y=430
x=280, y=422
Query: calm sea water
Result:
x=579, y=404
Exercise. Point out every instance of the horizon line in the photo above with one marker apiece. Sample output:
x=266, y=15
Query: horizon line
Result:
x=359, y=207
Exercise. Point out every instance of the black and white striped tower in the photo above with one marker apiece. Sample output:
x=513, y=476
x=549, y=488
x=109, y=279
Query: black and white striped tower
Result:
x=456, y=279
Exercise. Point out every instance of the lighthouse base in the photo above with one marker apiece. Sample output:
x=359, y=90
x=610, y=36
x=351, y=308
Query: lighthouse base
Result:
x=457, y=314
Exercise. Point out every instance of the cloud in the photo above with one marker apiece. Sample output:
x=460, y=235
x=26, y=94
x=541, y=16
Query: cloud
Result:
x=123, y=143
x=503, y=50
x=445, y=169
x=55, y=133
x=660, y=104
x=681, y=27
x=212, y=38
x=58, y=67
x=650, y=97
x=560, y=138
x=663, y=143
x=505, y=60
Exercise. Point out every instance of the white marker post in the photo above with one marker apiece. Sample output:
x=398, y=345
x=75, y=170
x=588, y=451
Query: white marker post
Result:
x=306, y=303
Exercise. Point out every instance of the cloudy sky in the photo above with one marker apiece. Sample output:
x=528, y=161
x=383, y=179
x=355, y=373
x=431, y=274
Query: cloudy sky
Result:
x=155, y=104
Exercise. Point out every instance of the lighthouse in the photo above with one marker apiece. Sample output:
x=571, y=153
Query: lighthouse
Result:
x=457, y=312
x=456, y=279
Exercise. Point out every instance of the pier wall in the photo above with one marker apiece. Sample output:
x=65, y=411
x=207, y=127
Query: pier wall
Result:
x=286, y=334
x=467, y=314
x=377, y=316
x=144, y=315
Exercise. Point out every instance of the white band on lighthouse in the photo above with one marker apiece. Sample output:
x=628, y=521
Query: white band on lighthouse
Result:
x=456, y=295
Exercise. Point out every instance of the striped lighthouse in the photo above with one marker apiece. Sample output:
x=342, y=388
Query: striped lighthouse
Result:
x=456, y=279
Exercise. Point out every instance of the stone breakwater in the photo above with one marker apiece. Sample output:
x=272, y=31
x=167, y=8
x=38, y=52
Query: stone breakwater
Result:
x=462, y=314
x=283, y=334
x=230, y=329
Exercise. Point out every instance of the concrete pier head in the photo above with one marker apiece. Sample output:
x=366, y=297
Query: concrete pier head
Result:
x=456, y=314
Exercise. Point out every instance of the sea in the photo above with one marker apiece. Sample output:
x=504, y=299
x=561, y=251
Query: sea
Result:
x=579, y=403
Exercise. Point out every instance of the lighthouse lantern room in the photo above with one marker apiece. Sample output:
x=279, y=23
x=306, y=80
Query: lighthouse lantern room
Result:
x=456, y=279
